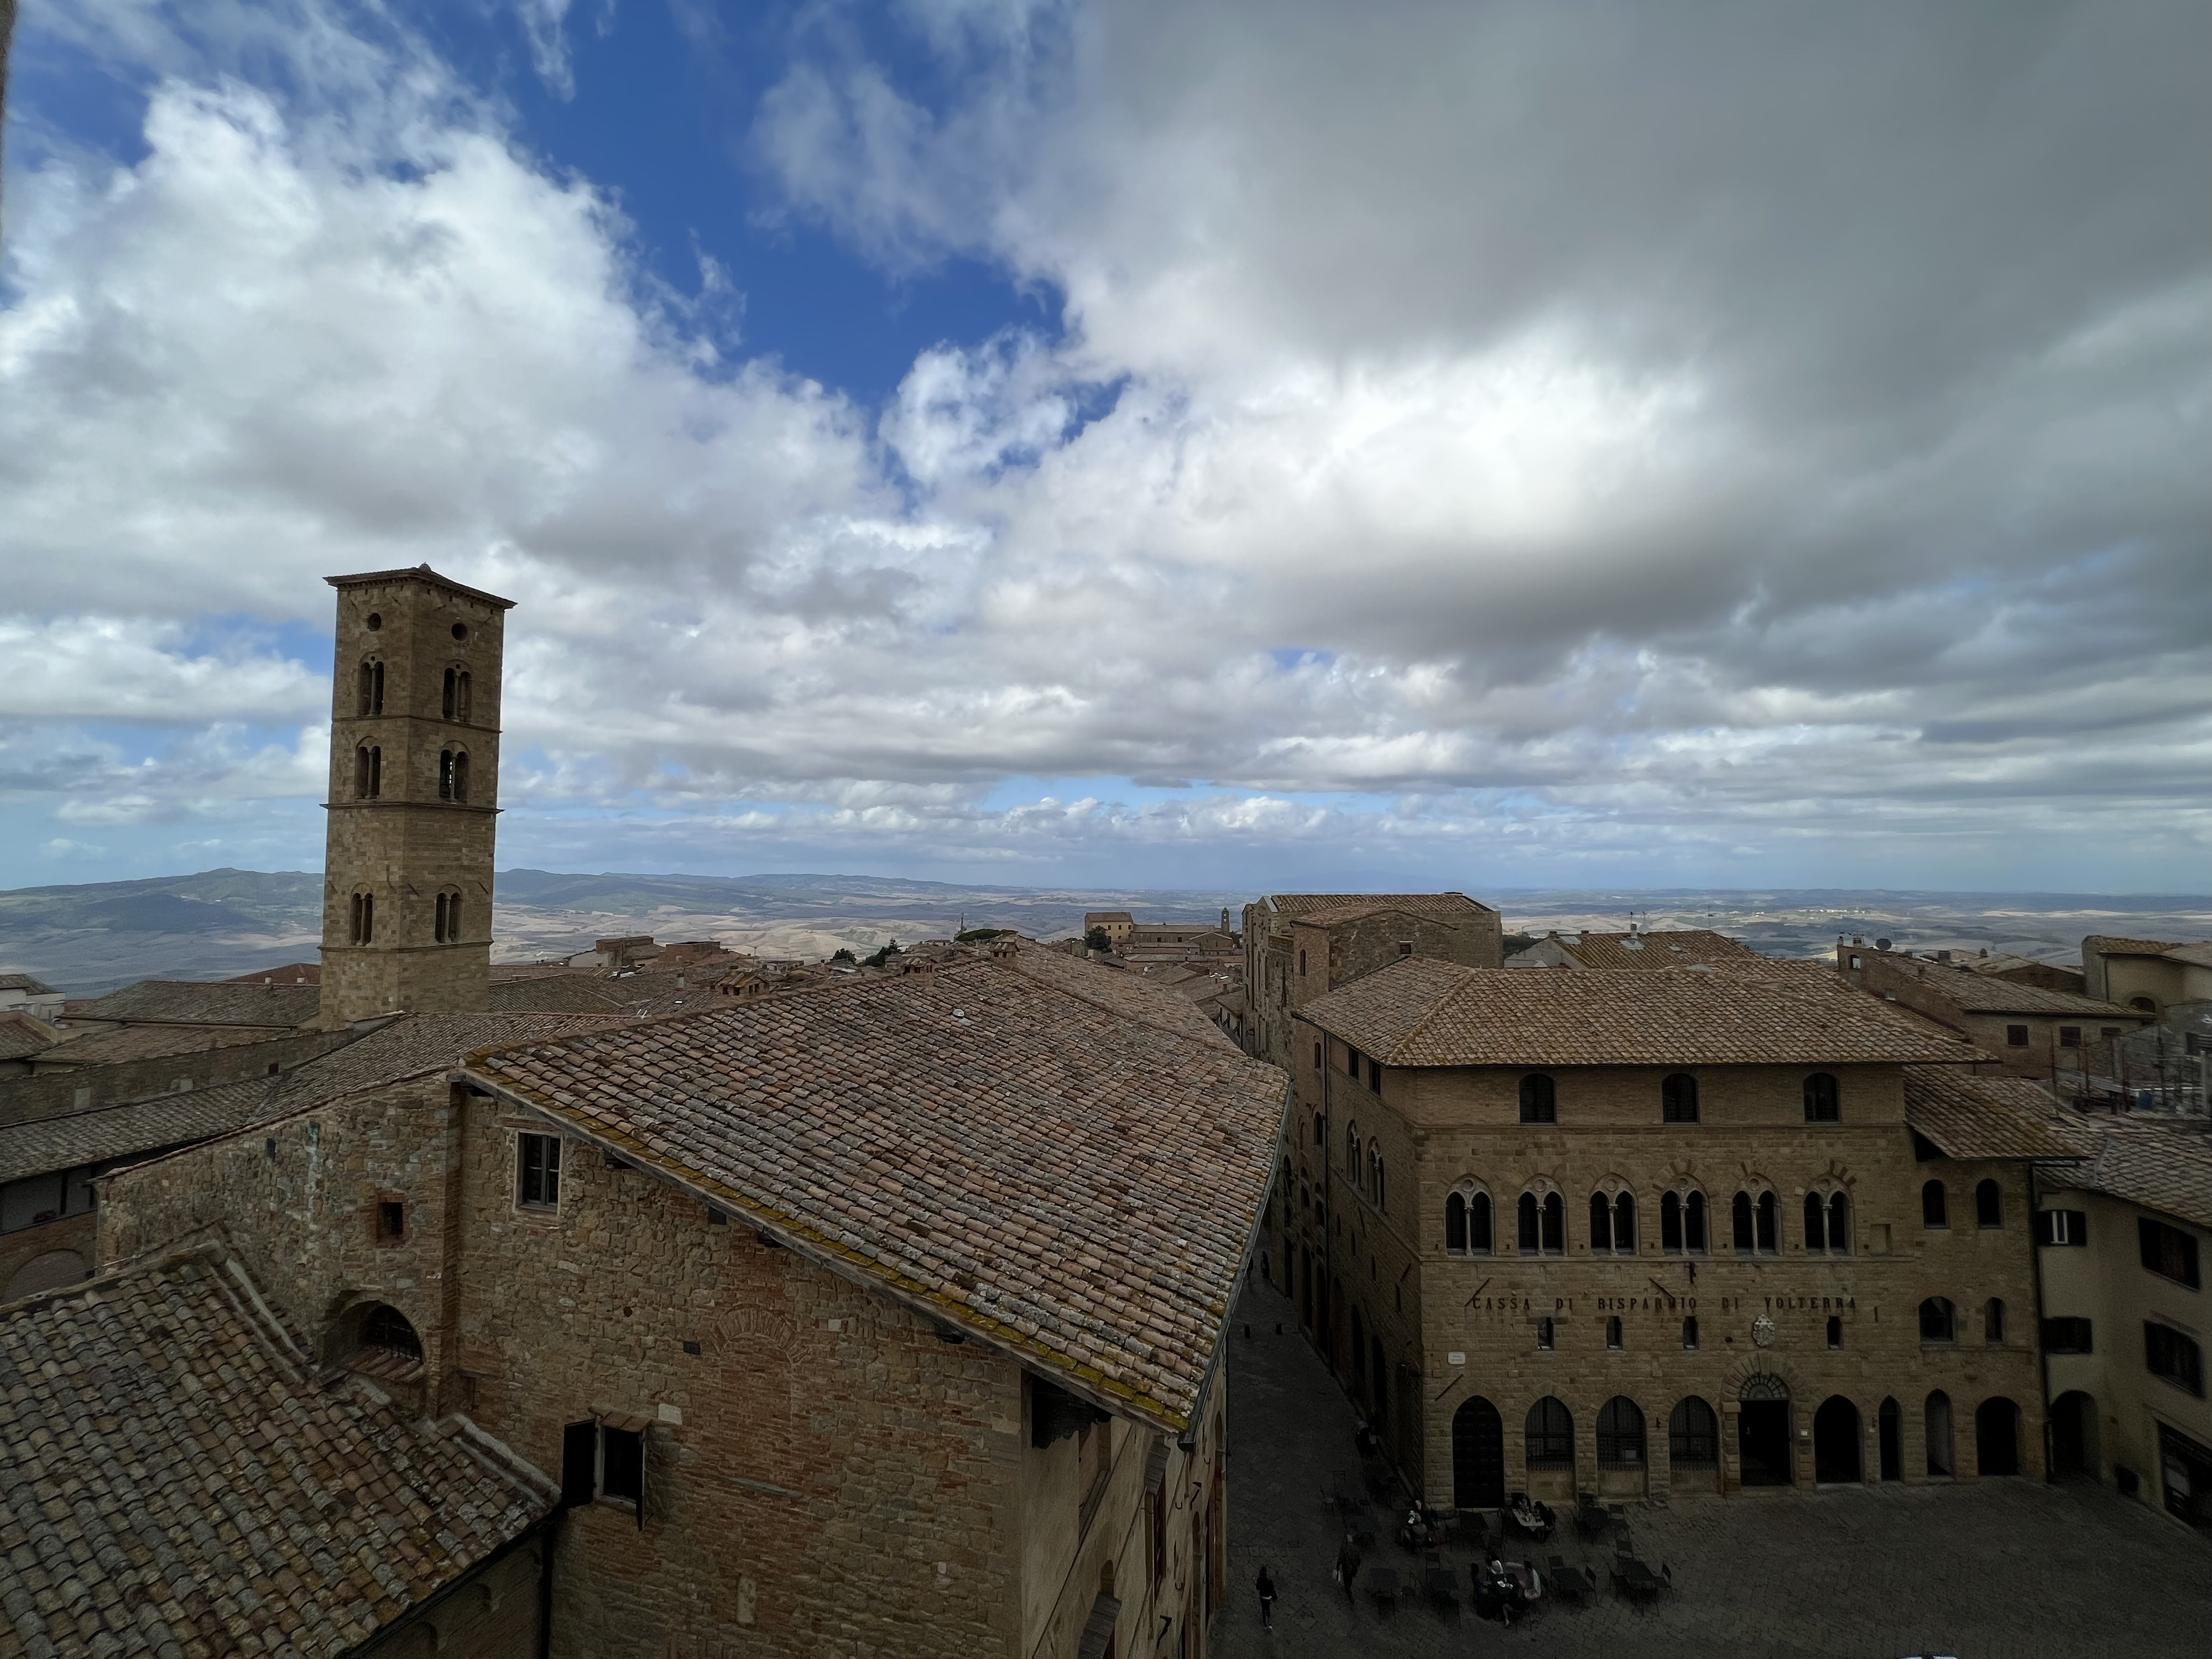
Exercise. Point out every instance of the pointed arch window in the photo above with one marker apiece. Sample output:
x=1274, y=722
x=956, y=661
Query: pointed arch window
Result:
x=454, y=774
x=1741, y=1216
x=1769, y=1232
x=448, y=929
x=363, y=930
x=1377, y=1186
x=1543, y=1225
x=369, y=702
x=457, y=695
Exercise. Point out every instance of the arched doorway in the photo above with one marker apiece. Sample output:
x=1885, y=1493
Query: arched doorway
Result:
x=1762, y=1430
x=1621, y=1449
x=1835, y=1442
x=1996, y=1436
x=1693, y=1445
x=1477, y=1457
x=49, y=1271
x=2074, y=1437
x=1939, y=1433
x=1892, y=1422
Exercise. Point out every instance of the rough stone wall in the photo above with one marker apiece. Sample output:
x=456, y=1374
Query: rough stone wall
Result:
x=407, y=845
x=491, y=1615
x=1442, y=1130
x=18, y=1249
x=27, y=1100
x=2105, y=1283
x=303, y=1217
x=2042, y=1058
x=826, y=1474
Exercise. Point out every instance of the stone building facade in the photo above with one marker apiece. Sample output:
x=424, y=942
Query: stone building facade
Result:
x=1298, y=946
x=2148, y=976
x=2053, y=1037
x=414, y=795
x=1633, y=1234
x=2126, y=1236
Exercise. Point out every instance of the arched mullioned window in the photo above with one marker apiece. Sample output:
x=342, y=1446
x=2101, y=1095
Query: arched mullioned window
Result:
x=364, y=918
x=367, y=772
x=1539, y=1099
x=1769, y=1233
x=1600, y=1214
x=1839, y=1223
x=1378, y=1186
x=454, y=774
x=1741, y=1216
x=1816, y=1225
x=448, y=929
x=457, y=695
x=1755, y=1228
x=370, y=701
x=1351, y=1152
x=1682, y=1223
x=1934, y=1207
x=1624, y=1223
x=1822, y=1099
x=1543, y=1225
x=1678, y=1099
x=1467, y=1224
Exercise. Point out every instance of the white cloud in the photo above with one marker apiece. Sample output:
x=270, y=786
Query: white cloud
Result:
x=1542, y=431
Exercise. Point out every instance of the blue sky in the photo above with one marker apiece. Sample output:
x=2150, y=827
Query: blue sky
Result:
x=1194, y=444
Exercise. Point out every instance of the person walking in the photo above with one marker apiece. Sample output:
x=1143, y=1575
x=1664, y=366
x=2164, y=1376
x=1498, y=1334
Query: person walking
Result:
x=1267, y=1599
x=1347, y=1565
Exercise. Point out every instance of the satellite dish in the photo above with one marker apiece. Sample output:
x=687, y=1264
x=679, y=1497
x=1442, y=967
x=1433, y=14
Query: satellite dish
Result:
x=1882, y=944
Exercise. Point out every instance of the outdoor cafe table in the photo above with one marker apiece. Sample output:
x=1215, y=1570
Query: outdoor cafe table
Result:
x=1383, y=1585
x=1443, y=1584
x=1635, y=1578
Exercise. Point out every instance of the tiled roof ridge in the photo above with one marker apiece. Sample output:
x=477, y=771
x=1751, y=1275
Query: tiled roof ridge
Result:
x=1436, y=1008
x=2119, y=945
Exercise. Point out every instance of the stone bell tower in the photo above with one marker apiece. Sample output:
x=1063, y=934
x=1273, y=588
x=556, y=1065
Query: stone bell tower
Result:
x=414, y=796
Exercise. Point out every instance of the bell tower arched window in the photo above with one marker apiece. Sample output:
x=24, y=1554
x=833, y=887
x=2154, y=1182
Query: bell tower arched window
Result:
x=447, y=927
x=370, y=701
x=454, y=774
x=363, y=930
x=367, y=772
x=456, y=706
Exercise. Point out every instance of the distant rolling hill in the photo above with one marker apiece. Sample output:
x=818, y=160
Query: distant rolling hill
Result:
x=219, y=923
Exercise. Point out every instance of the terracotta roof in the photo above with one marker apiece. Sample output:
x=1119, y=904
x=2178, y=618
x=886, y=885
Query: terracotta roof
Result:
x=292, y=973
x=414, y=1044
x=125, y=1043
x=1037, y=1168
x=133, y=1128
x=25, y=982
x=2196, y=955
x=1978, y=993
x=2161, y=1163
x=578, y=993
x=420, y=573
x=1441, y=907
x=177, y=1481
x=1677, y=949
x=21, y=1036
x=2106, y=945
x=1970, y=1116
x=1419, y=1012
x=1116, y=989
x=204, y=1002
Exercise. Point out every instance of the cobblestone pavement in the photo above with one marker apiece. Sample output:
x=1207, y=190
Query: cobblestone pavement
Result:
x=1985, y=1571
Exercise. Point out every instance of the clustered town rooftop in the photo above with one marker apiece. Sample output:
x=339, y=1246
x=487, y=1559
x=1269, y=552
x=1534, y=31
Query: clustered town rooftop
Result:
x=667, y=1298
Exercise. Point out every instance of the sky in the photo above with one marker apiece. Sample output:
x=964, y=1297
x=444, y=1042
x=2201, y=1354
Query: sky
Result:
x=1195, y=444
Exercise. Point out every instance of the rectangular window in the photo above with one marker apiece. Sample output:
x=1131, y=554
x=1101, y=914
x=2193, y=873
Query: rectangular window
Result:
x=390, y=1221
x=2168, y=1252
x=2015, y=1037
x=2171, y=1355
x=2067, y=1336
x=2069, y=1036
x=538, y=1174
x=622, y=1464
x=2061, y=1227
x=603, y=1460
